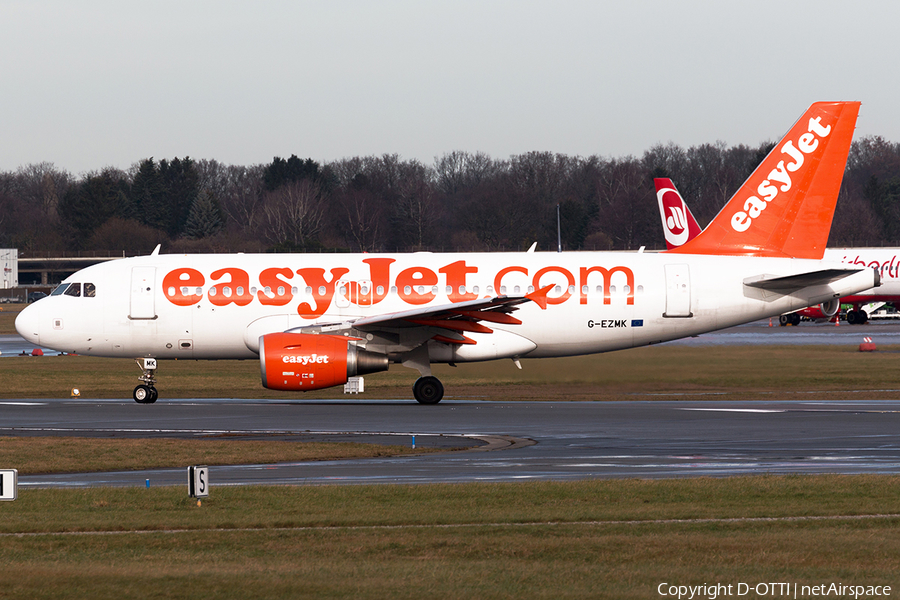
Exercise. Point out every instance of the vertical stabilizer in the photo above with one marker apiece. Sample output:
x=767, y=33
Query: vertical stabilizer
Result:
x=679, y=225
x=786, y=206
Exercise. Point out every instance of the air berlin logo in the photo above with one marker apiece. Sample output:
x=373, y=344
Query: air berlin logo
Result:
x=779, y=178
x=671, y=206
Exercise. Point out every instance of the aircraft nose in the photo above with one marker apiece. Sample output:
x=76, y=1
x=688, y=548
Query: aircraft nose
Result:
x=28, y=324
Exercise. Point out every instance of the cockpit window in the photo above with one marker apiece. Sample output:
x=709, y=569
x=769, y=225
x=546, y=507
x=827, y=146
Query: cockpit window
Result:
x=74, y=289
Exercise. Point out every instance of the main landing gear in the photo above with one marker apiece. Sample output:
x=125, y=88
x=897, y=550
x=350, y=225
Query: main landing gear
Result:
x=857, y=317
x=791, y=319
x=146, y=393
x=428, y=390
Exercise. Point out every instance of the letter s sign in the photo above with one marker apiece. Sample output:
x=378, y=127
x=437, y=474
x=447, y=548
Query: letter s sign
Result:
x=198, y=482
x=9, y=484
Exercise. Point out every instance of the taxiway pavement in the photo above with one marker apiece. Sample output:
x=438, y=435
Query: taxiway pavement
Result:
x=516, y=440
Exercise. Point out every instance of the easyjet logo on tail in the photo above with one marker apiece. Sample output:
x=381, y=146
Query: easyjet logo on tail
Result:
x=779, y=178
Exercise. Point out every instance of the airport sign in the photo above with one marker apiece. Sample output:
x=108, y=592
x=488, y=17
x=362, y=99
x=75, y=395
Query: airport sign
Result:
x=9, y=484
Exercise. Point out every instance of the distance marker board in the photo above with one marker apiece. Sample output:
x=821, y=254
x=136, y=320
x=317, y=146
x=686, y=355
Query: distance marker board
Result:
x=198, y=481
x=9, y=484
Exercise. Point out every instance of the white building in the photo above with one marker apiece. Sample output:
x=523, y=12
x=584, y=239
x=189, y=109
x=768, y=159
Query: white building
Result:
x=9, y=268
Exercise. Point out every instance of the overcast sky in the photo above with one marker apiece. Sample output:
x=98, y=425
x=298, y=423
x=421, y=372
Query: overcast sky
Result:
x=93, y=83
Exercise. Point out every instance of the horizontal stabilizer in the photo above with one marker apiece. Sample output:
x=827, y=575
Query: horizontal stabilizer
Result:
x=790, y=283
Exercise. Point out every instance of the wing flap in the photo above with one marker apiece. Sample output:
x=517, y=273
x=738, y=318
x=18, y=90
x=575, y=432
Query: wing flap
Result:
x=494, y=310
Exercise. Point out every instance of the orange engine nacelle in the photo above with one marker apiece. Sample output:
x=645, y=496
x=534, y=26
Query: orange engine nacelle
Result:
x=304, y=361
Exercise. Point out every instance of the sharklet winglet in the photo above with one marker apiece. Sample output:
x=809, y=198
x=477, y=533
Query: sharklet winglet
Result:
x=539, y=297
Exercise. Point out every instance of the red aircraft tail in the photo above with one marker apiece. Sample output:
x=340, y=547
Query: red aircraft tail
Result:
x=679, y=225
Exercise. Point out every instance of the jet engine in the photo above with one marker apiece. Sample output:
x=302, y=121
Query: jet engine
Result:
x=304, y=361
x=830, y=308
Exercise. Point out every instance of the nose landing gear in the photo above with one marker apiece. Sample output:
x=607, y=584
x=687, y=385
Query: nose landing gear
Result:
x=146, y=393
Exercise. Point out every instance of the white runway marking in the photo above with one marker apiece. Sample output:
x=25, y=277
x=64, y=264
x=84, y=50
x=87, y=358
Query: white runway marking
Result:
x=740, y=410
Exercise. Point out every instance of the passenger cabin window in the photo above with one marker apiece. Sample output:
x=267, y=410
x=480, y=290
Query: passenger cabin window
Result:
x=89, y=290
x=74, y=289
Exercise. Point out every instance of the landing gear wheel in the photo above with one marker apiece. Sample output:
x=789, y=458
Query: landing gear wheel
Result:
x=144, y=394
x=862, y=317
x=428, y=390
x=783, y=320
x=795, y=319
x=851, y=317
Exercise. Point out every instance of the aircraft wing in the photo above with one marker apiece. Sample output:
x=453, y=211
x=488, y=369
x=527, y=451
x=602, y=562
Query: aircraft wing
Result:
x=792, y=283
x=453, y=319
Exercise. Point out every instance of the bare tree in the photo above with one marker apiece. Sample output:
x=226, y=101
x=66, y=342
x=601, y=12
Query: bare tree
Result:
x=293, y=213
x=242, y=198
x=457, y=171
x=42, y=185
x=364, y=222
x=415, y=208
x=627, y=211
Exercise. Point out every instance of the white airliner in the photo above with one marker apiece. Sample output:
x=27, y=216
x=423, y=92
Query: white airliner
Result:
x=315, y=320
x=679, y=226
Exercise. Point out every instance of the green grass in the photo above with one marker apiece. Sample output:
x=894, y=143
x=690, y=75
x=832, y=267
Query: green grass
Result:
x=30, y=455
x=658, y=372
x=593, y=539
x=8, y=314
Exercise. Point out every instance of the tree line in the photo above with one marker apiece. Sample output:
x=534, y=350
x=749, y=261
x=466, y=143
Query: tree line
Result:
x=462, y=202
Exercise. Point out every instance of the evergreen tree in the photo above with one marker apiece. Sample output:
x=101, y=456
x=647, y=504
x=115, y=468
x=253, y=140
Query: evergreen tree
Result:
x=281, y=172
x=162, y=193
x=205, y=218
x=148, y=195
x=91, y=203
x=182, y=184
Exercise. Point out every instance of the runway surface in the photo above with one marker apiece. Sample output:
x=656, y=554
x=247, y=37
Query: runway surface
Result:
x=529, y=440
x=15, y=345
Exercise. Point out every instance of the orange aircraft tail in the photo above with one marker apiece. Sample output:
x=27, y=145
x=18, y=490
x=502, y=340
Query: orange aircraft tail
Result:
x=786, y=206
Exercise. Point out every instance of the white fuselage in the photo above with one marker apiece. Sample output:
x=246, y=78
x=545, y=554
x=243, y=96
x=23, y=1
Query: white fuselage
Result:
x=217, y=306
x=884, y=260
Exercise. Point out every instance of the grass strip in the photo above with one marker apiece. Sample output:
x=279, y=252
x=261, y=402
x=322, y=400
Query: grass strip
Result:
x=8, y=314
x=590, y=539
x=438, y=504
x=678, y=372
x=32, y=455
